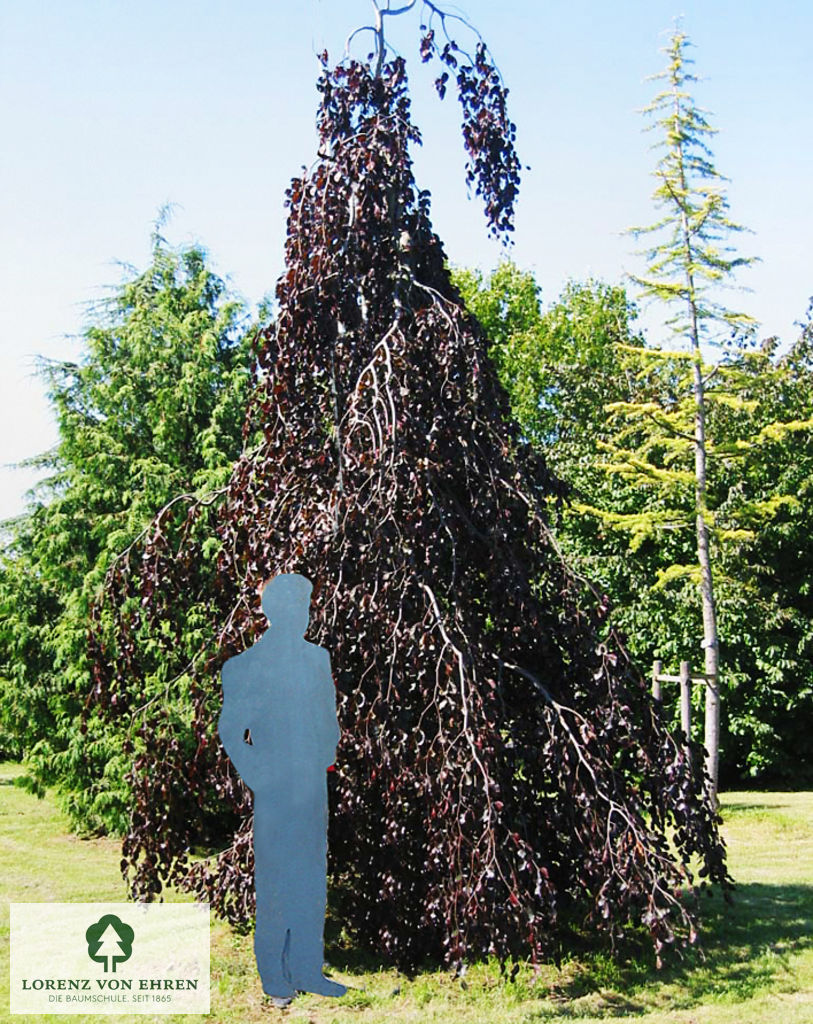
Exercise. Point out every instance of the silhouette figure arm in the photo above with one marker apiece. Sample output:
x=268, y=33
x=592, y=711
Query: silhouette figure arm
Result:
x=232, y=726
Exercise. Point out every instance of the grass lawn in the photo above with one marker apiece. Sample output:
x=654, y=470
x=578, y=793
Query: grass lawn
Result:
x=758, y=963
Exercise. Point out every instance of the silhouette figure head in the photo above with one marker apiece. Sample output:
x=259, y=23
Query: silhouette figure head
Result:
x=286, y=601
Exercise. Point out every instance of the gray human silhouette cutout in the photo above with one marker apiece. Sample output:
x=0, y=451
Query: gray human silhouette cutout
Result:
x=278, y=726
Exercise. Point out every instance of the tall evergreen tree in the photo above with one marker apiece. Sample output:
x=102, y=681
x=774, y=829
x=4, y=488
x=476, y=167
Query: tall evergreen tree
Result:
x=688, y=260
x=153, y=409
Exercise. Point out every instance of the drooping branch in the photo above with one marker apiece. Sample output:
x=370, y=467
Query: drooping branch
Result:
x=489, y=136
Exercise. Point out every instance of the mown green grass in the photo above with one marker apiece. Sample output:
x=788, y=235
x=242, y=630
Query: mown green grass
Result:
x=758, y=966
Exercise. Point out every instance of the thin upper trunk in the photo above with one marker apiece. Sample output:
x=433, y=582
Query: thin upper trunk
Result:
x=710, y=642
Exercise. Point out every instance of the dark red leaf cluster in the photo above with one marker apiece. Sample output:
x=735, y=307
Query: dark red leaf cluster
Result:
x=502, y=773
x=488, y=133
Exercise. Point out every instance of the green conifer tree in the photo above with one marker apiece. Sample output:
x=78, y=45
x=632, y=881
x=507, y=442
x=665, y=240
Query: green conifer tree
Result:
x=687, y=261
x=153, y=409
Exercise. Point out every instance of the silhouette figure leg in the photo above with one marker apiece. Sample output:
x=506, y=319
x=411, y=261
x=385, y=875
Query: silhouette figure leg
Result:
x=290, y=868
x=309, y=883
x=271, y=930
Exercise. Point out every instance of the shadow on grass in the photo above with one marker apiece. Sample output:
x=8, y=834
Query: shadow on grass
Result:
x=347, y=956
x=763, y=809
x=763, y=925
x=350, y=959
x=747, y=947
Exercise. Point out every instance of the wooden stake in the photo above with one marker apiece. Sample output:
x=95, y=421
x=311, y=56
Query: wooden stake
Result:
x=686, y=698
x=657, y=671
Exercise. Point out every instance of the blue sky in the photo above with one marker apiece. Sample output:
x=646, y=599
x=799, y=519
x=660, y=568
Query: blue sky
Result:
x=109, y=110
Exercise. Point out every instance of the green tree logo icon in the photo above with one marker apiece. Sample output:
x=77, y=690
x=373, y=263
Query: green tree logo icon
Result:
x=110, y=941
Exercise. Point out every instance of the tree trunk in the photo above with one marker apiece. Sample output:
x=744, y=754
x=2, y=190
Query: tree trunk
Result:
x=710, y=643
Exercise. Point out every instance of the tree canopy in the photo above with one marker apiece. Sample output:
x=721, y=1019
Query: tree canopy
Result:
x=613, y=416
x=153, y=409
x=502, y=775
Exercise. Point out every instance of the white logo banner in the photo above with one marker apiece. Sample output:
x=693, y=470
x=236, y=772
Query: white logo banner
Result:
x=109, y=958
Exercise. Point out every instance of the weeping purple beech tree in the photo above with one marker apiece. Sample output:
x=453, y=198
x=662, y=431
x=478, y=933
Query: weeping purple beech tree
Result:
x=503, y=774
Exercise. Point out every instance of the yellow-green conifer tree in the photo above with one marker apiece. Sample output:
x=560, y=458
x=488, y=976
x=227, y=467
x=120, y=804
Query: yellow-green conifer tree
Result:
x=688, y=260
